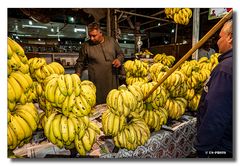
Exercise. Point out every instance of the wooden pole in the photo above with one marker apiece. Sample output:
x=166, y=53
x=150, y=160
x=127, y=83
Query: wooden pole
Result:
x=191, y=51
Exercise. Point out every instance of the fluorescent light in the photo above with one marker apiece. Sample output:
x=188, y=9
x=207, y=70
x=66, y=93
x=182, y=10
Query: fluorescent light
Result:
x=55, y=35
x=79, y=30
x=34, y=26
x=21, y=35
x=130, y=34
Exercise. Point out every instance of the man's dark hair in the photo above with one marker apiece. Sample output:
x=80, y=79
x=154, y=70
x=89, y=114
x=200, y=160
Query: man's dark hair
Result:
x=94, y=26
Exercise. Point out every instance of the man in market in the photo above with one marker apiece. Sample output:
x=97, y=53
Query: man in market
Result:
x=215, y=111
x=104, y=58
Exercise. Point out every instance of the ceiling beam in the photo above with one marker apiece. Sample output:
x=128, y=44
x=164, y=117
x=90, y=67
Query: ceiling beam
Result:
x=140, y=15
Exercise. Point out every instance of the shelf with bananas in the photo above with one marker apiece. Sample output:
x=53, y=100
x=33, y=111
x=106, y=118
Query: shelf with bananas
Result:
x=179, y=15
x=22, y=116
x=136, y=71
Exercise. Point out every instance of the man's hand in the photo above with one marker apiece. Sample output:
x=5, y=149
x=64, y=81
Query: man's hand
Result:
x=116, y=63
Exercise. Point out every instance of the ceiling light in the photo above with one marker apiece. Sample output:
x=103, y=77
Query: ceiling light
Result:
x=17, y=37
x=52, y=30
x=172, y=30
x=71, y=19
x=16, y=27
x=79, y=30
x=51, y=35
x=39, y=39
x=30, y=22
x=80, y=42
x=21, y=35
x=159, y=24
x=125, y=42
x=130, y=34
x=34, y=26
x=57, y=29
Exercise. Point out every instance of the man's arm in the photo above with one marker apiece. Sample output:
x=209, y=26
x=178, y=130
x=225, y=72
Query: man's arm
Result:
x=81, y=61
x=119, y=55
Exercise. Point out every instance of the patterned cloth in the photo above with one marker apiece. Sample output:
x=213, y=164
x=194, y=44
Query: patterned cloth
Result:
x=163, y=144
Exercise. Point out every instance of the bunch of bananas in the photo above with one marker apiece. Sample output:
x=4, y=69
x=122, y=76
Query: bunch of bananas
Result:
x=166, y=60
x=21, y=125
x=209, y=64
x=19, y=89
x=145, y=53
x=122, y=101
x=112, y=123
x=67, y=93
x=70, y=132
x=175, y=83
x=176, y=107
x=155, y=118
x=134, y=134
x=156, y=69
x=17, y=60
x=195, y=75
x=179, y=15
x=193, y=103
x=40, y=70
x=153, y=112
x=136, y=71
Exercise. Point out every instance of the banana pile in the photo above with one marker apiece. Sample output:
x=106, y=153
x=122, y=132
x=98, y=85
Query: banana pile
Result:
x=176, y=107
x=122, y=101
x=19, y=89
x=121, y=120
x=166, y=60
x=68, y=94
x=197, y=72
x=145, y=53
x=21, y=125
x=71, y=132
x=136, y=71
x=179, y=15
x=40, y=70
x=156, y=69
x=134, y=133
x=17, y=60
x=154, y=113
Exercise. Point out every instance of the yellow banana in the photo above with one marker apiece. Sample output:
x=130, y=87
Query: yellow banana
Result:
x=48, y=123
x=56, y=126
x=95, y=127
x=51, y=136
x=50, y=90
x=28, y=118
x=86, y=142
x=69, y=83
x=76, y=84
x=71, y=130
x=15, y=47
x=62, y=85
x=64, y=128
x=14, y=138
x=17, y=129
x=18, y=76
x=79, y=146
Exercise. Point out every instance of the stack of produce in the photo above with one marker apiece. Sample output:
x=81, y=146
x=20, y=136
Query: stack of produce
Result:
x=120, y=118
x=154, y=113
x=166, y=60
x=21, y=125
x=136, y=71
x=195, y=80
x=145, y=53
x=40, y=70
x=22, y=114
x=179, y=15
x=71, y=132
x=156, y=69
x=68, y=103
